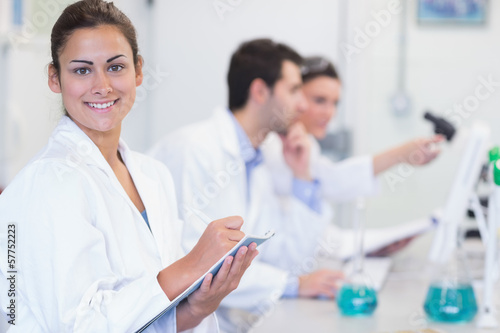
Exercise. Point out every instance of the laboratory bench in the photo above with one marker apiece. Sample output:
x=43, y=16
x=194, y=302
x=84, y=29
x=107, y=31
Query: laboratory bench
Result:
x=399, y=310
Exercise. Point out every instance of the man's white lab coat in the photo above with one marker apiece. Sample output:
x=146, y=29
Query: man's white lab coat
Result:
x=85, y=259
x=209, y=175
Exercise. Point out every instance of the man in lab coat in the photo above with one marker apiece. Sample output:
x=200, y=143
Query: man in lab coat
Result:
x=217, y=170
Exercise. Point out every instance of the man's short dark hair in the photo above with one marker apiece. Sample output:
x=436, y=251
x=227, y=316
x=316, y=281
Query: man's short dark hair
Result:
x=259, y=58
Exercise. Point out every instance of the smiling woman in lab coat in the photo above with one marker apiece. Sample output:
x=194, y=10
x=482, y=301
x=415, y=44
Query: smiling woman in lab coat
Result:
x=97, y=244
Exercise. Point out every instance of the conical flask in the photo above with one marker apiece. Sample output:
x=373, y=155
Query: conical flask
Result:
x=357, y=296
x=450, y=297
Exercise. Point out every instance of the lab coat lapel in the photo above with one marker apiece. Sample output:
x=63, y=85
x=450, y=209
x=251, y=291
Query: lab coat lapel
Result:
x=150, y=193
x=224, y=129
x=255, y=202
x=229, y=141
x=227, y=133
x=84, y=150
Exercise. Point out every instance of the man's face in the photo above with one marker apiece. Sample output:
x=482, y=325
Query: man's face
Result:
x=287, y=100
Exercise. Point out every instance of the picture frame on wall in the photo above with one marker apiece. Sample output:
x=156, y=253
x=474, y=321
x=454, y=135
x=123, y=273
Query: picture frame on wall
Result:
x=456, y=12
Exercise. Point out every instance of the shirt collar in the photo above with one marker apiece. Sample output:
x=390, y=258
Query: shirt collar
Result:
x=249, y=154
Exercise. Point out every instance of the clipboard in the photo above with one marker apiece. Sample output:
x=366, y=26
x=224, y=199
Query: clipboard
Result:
x=245, y=241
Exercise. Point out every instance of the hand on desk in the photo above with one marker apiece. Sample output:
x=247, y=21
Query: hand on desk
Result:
x=320, y=283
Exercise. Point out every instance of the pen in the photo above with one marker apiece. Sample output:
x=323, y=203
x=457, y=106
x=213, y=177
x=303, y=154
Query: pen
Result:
x=202, y=216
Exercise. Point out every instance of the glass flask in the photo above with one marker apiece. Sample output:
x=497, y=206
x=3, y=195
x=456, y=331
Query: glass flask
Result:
x=357, y=296
x=450, y=297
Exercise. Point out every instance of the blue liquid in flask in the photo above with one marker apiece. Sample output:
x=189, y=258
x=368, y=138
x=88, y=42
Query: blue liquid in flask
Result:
x=451, y=304
x=356, y=300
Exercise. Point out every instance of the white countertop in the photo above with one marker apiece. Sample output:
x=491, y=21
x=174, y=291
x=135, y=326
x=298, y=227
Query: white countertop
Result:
x=400, y=306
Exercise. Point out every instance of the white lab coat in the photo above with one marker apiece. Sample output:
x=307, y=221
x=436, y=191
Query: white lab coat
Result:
x=209, y=174
x=85, y=258
x=342, y=181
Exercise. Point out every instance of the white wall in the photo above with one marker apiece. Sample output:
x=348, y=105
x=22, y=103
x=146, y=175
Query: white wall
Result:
x=29, y=110
x=444, y=63
x=194, y=45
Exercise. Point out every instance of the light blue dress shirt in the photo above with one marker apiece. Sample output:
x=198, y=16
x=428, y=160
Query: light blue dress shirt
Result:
x=145, y=216
x=307, y=192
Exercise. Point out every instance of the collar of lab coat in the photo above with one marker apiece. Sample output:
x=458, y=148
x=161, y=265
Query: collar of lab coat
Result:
x=83, y=150
x=250, y=155
x=227, y=132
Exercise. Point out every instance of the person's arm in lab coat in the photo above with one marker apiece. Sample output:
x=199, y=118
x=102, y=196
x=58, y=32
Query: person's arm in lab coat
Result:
x=415, y=152
x=350, y=178
x=340, y=181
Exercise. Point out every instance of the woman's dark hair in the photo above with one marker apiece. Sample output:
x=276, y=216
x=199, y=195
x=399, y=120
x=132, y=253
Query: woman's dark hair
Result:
x=259, y=58
x=90, y=14
x=317, y=66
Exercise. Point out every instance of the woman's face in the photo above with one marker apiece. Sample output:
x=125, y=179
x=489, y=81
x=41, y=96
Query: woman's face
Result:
x=97, y=78
x=322, y=95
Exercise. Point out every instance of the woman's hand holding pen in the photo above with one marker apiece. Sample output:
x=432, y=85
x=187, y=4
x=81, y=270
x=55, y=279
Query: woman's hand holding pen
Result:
x=219, y=237
x=213, y=289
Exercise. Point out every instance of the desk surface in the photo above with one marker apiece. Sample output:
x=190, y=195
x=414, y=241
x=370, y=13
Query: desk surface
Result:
x=399, y=310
